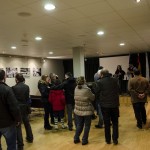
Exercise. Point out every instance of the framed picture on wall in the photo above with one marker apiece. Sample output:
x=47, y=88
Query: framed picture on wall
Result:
x=25, y=72
x=11, y=72
x=36, y=72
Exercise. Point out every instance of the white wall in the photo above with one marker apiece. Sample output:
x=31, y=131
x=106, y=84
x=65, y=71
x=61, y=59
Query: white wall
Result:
x=47, y=67
x=111, y=63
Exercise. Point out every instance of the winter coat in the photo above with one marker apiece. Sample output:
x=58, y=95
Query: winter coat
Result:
x=83, y=98
x=57, y=99
x=69, y=86
x=44, y=90
x=108, y=90
x=21, y=92
x=9, y=109
x=138, y=85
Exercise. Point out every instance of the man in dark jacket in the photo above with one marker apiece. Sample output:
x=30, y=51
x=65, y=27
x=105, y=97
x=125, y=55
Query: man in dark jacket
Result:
x=108, y=90
x=21, y=91
x=9, y=113
x=69, y=87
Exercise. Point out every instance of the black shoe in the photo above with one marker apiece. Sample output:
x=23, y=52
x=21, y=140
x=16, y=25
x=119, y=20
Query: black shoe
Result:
x=139, y=126
x=115, y=142
x=108, y=142
x=85, y=143
x=70, y=129
x=29, y=141
x=98, y=126
x=76, y=141
x=48, y=128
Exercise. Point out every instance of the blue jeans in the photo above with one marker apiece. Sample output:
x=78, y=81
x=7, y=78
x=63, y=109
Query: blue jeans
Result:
x=83, y=122
x=99, y=111
x=10, y=136
x=70, y=108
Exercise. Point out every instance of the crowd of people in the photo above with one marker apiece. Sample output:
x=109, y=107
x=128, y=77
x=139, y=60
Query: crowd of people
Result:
x=76, y=98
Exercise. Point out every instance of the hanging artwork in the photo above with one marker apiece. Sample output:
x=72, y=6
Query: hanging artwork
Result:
x=36, y=72
x=11, y=72
x=25, y=72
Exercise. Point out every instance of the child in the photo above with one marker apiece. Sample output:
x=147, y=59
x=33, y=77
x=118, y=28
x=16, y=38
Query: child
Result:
x=57, y=99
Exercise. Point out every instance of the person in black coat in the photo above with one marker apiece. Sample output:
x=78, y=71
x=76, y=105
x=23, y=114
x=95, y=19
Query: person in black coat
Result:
x=108, y=90
x=119, y=73
x=9, y=113
x=44, y=88
x=22, y=93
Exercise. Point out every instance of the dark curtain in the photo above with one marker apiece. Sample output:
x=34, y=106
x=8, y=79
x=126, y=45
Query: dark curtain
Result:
x=91, y=67
x=133, y=59
x=143, y=63
x=68, y=65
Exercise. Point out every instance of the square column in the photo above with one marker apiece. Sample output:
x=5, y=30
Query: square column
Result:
x=78, y=61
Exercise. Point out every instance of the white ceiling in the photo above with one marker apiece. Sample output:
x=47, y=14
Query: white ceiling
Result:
x=74, y=23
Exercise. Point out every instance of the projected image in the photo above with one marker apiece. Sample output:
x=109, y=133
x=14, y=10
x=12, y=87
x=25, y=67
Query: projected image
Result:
x=25, y=72
x=36, y=72
x=11, y=72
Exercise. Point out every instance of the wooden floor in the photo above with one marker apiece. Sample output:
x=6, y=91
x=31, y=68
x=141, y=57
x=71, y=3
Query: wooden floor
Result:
x=130, y=137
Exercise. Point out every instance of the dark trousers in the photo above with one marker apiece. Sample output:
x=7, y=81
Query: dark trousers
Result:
x=25, y=120
x=70, y=108
x=9, y=134
x=48, y=112
x=99, y=112
x=140, y=113
x=111, y=115
x=83, y=122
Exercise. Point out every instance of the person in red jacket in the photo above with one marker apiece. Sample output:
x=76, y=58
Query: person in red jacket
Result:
x=57, y=100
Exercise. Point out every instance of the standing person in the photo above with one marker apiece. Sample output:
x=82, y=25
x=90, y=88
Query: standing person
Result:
x=119, y=73
x=9, y=113
x=43, y=86
x=98, y=107
x=57, y=99
x=68, y=85
x=108, y=90
x=138, y=87
x=96, y=75
x=83, y=110
x=22, y=93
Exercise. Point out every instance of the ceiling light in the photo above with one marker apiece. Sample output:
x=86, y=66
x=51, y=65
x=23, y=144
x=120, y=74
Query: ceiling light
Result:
x=51, y=53
x=138, y=1
x=100, y=32
x=122, y=44
x=13, y=47
x=49, y=6
x=38, y=38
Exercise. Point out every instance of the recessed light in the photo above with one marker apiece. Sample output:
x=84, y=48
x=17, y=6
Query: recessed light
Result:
x=51, y=53
x=100, y=32
x=13, y=47
x=138, y=1
x=49, y=6
x=38, y=38
x=122, y=44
